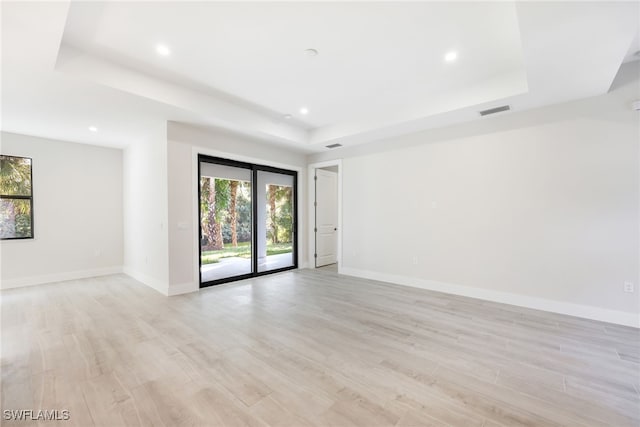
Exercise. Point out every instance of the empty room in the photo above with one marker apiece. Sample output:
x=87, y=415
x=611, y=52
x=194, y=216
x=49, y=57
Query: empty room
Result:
x=320, y=214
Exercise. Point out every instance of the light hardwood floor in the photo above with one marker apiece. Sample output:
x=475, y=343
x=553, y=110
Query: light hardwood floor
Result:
x=308, y=348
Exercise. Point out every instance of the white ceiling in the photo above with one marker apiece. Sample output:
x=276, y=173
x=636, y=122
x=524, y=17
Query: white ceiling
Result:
x=241, y=66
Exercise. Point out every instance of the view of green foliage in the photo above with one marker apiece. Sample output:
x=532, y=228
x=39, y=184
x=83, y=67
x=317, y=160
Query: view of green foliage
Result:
x=243, y=251
x=243, y=219
x=216, y=205
x=225, y=223
x=15, y=214
x=15, y=176
x=279, y=214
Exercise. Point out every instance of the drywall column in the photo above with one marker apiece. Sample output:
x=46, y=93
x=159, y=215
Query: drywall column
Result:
x=145, y=201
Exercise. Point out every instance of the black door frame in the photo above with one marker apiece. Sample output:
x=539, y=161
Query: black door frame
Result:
x=254, y=168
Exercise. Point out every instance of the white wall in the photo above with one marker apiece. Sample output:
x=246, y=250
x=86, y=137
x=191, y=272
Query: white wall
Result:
x=146, y=253
x=185, y=142
x=536, y=208
x=77, y=197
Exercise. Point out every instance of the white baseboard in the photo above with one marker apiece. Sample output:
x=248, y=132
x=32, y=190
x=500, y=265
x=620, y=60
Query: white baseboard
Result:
x=151, y=282
x=577, y=310
x=183, y=288
x=58, y=277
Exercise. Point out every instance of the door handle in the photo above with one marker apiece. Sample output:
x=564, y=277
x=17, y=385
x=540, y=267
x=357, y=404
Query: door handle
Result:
x=335, y=229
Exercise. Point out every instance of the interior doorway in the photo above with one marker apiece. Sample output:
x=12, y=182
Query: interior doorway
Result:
x=325, y=218
x=326, y=226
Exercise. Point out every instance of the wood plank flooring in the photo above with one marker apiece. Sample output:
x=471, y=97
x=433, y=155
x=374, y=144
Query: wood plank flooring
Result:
x=308, y=348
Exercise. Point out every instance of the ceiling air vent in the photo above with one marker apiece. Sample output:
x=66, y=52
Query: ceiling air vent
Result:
x=334, y=146
x=494, y=110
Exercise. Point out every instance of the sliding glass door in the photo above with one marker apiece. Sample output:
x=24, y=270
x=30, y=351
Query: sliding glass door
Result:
x=248, y=218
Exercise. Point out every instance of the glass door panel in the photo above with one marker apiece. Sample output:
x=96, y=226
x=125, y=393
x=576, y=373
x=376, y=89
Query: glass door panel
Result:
x=276, y=225
x=226, y=231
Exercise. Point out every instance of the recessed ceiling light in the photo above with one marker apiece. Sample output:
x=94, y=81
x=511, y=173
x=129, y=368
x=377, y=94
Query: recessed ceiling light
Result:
x=311, y=52
x=162, y=50
x=304, y=110
x=93, y=129
x=451, y=56
x=287, y=116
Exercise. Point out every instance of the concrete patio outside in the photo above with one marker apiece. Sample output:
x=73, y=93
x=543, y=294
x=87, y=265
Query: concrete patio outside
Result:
x=236, y=266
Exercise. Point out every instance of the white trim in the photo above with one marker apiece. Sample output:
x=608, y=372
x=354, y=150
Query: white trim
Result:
x=183, y=288
x=151, y=282
x=195, y=210
x=58, y=277
x=567, y=308
x=311, y=191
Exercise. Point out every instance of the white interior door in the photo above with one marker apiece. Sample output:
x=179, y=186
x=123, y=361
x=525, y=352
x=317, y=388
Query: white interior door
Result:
x=326, y=217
